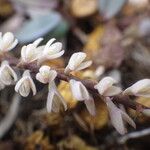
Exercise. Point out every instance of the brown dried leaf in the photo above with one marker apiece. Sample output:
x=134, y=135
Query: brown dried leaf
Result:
x=83, y=8
x=64, y=89
x=5, y=8
x=93, y=44
x=74, y=143
x=51, y=119
x=6, y=145
x=111, y=53
x=144, y=101
x=87, y=74
x=110, y=56
x=37, y=139
x=98, y=121
x=57, y=63
x=111, y=34
x=140, y=117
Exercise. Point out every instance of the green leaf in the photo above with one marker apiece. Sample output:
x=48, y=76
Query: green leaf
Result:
x=38, y=26
x=109, y=8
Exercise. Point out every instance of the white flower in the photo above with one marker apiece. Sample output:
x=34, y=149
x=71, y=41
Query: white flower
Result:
x=51, y=51
x=80, y=93
x=7, y=74
x=55, y=101
x=105, y=87
x=7, y=42
x=31, y=52
x=25, y=84
x=140, y=88
x=46, y=75
x=118, y=117
x=77, y=62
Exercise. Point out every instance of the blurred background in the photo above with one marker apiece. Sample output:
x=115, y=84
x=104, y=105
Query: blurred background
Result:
x=115, y=34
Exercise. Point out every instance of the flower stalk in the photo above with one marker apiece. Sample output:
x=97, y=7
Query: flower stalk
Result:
x=32, y=58
x=89, y=84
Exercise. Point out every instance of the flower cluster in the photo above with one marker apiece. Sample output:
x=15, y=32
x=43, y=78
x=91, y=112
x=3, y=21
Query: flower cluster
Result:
x=106, y=87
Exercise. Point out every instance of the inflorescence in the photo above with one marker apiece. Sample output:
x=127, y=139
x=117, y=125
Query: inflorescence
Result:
x=82, y=90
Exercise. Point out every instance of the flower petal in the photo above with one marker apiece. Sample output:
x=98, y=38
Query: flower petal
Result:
x=76, y=59
x=19, y=83
x=50, y=100
x=56, y=47
x=79, y=91
x=23, y=53
x=24, y=89
x=112, y=91
x=84, y=65
x=57, y=55
x=115, y=116
x=37, y=42
x=46, y=75
x=55, y=100
x=40, y=78
x=24, y=85
x=48, y=45
x=90, y=105
x=32, y=86
x=60, y=96
x=7, y=74
x=13, y=45
x=128, y=119
x=53, y=75
x=26, y=73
